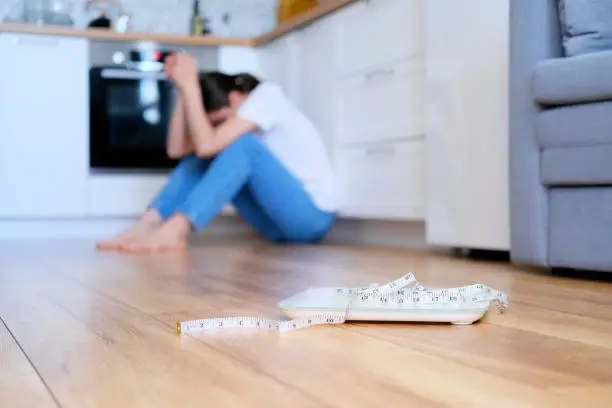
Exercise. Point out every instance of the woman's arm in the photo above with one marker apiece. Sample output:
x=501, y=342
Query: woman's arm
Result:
x=208, y=141
x=205, y=140
x=178, y=142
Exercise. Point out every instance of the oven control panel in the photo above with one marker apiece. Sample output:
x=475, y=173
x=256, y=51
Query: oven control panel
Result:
x=139, y=56
x=149, y=60
x=149, y=55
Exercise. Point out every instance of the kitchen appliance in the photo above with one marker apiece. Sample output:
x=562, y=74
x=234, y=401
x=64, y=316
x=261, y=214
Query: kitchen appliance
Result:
x=131, y=105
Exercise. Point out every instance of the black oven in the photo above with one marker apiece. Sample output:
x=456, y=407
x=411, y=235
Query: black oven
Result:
x=131, y=106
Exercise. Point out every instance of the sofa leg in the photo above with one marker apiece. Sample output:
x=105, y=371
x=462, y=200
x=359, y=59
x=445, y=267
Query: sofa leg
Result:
x=489, y=255
x=562, y=272
x=580, y=274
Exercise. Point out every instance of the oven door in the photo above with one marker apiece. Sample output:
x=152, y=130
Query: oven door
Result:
x=130, y=113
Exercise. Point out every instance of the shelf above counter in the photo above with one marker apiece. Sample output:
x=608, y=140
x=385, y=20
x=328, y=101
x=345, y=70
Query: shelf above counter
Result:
x=105, y=34
x=303, y=19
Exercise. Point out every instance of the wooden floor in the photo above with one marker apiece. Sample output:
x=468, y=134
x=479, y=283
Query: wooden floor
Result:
x=82, y=329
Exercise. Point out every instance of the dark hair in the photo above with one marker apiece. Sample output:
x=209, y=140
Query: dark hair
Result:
x=216, y=87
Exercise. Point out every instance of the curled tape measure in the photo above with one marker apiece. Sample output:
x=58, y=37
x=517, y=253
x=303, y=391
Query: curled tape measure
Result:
x=403, y=299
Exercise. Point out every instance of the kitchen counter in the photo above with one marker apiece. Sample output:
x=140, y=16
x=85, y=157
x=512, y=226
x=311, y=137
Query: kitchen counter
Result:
x=303, y=19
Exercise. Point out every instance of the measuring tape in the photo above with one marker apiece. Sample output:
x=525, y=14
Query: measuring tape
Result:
x=403, y=293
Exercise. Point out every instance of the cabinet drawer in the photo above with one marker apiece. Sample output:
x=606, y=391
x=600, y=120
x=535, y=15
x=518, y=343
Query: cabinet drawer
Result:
x=43, y=126
x=380, y=31
x=125, y=195
x=122, y=195
x=388, y=100
x=384, y=181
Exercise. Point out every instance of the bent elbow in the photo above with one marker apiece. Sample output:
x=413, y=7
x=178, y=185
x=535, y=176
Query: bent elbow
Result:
x=175, y=154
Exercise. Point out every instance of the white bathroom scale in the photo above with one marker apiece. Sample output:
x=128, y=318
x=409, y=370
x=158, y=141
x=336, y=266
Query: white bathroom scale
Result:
x=323, y=301
x=402, y=300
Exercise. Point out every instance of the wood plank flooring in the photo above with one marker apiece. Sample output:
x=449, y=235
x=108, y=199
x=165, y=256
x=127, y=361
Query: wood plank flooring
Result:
x=85, y=329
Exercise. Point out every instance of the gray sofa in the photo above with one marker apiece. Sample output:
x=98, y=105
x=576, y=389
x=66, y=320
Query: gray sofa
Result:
x=560, y=136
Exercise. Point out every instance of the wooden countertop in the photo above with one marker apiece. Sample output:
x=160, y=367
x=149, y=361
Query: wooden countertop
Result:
x=305, y=18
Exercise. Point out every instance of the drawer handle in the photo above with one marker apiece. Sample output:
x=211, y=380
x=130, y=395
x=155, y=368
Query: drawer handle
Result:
x=377, y=73
x=377, y=151
x=36, y=41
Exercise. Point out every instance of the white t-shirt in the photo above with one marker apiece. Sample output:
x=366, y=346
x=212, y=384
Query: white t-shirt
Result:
x=293, y=139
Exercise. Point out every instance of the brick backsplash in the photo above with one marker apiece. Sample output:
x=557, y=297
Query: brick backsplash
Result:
x=235, y=18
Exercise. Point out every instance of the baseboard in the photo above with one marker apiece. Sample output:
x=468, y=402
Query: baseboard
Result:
x=410, y=234
x=346, y=231
x=96, y=228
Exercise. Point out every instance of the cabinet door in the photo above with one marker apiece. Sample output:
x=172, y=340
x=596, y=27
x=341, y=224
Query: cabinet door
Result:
x=467, y=128
x=376, y=32
x=278, y=62
x=318, y=86
x=383, y=103
x=383, y=181
x=43, y=126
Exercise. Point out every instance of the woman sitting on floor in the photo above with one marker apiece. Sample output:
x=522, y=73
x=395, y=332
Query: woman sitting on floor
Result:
x=243, y=142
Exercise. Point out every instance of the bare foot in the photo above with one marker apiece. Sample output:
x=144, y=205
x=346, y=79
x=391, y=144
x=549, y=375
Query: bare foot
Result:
x=170, y=236
x=143, y=227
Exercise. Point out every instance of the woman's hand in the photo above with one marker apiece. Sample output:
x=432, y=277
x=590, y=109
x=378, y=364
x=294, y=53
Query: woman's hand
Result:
x=181, y=68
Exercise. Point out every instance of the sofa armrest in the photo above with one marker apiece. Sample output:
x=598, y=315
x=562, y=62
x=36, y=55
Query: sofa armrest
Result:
x=534, y=35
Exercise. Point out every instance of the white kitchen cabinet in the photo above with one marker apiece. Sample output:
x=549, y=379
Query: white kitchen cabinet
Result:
x=122, y=195
x=377, y=32
x=43, y=126
x=279, y=63
x=467, y=123
x=383, y=181
x=361, y=81
x=318, y=87
x=125, y=195
x=383, y=103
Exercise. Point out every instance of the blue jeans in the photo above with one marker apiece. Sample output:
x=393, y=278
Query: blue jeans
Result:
x=260, y=188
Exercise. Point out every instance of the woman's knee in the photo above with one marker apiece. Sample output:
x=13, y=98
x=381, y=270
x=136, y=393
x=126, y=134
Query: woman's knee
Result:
x=313, y=231
x=192, y=163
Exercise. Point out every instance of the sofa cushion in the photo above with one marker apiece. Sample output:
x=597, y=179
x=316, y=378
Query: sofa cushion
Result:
x=577, y=166
x=586, y=26
x=563, y=81
x=577, y=125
